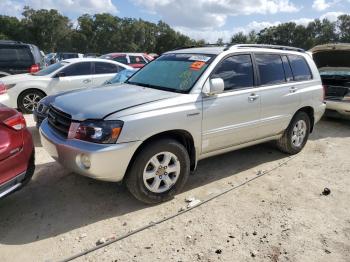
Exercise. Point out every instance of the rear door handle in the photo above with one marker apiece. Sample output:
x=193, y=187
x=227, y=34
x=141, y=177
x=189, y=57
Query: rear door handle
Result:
x=293, y=89
x=85, y=81
x=253, y=97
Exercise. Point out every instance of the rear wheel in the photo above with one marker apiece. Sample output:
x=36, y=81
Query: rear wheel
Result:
x=296, y=135
x=28, y=100
x=159, y=171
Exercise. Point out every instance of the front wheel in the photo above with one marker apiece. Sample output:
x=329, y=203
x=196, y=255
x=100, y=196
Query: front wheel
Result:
x=159, y=171
x=28, y=100
x=296, y=135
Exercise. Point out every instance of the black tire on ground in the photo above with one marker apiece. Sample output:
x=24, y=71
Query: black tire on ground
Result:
x=134, y=178
x=32, y=94
x=285, y=143
x=30, y=169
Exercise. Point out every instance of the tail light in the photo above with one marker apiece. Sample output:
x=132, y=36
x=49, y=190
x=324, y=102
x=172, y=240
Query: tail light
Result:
x=34, y=68
x=17, y=122
x=3, y=89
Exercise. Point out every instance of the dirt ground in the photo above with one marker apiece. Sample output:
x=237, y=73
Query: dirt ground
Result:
x=280, y=216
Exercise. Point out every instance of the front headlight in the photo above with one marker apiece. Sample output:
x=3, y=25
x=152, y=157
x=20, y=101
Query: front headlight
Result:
x=96, y=131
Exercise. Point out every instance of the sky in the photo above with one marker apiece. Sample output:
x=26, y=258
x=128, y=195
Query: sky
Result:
x=199, y=19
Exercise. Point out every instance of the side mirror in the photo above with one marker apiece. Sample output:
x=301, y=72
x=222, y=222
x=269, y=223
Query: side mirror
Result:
x=216, y=86
x=60, y=74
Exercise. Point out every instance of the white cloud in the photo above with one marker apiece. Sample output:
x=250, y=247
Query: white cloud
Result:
x=66, y=7
x=211, y=36
x=331, y=16
x=207, y=14
x=321, y=5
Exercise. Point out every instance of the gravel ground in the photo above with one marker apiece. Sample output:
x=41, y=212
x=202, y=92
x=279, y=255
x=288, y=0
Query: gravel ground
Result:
x=280, y=216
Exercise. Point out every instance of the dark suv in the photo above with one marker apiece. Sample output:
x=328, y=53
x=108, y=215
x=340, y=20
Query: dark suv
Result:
x=17, y=58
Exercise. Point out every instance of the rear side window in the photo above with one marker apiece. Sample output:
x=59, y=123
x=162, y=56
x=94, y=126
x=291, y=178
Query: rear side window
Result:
x=121, y=59
x=300, y=68
x=78, y=69
x=137, y=60
x=236, y=71
x=270, y=69
x=106, y=68
x=287, y=70
x=16, y=56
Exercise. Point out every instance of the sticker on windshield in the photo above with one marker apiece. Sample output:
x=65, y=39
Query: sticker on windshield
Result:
x=199, y=58
x=197, y=65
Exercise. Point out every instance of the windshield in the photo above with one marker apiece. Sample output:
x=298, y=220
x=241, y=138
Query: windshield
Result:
x=50, y=69
x=172, y=72
x=121, y=77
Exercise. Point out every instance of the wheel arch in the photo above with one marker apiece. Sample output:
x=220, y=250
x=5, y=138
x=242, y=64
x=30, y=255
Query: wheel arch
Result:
x=311, y=113
x=182, y=136
x=28, y=89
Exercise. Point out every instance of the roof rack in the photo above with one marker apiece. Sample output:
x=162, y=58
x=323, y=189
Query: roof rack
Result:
x=195, y=46
x=280, y=47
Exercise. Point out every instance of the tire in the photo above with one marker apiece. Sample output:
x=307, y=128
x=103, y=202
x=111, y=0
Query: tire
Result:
x=145, y=187
x=28, y=100
x=295, y=137
x=30, y=169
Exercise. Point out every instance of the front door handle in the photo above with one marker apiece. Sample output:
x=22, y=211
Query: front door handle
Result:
x=86, y=81
x=253, y=97
x=293, y=89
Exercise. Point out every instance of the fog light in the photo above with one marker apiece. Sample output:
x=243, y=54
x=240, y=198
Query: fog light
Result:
x=85, y=161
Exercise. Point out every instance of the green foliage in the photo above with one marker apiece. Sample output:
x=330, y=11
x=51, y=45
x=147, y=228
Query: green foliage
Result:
x=103, y=33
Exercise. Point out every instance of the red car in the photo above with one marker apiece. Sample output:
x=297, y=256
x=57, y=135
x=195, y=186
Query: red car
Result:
x=135, y=60
x=16, y=151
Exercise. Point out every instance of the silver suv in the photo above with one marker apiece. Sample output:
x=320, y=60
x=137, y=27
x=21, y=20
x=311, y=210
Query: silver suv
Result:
x=185, y=106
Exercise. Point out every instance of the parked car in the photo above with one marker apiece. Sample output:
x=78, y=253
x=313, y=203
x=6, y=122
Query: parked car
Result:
x=26, y=90
x=185, y=106
x=17, y=58
x=333, y=62
x=135, y=60
x=16, y=151
x=40, y=112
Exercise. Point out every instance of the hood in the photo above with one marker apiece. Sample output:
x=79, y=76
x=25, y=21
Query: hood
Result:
x=12, y=79
x=332, y=56
x=97, y=103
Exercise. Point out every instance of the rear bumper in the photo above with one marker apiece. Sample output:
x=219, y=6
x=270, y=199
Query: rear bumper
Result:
x=342, y=107
x=107, y=162
x=319, y=112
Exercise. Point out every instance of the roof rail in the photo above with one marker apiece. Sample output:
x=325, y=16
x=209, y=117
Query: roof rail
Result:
x=195, y=46
x=280, y=47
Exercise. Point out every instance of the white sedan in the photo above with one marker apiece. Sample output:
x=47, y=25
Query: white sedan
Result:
x=24, y=91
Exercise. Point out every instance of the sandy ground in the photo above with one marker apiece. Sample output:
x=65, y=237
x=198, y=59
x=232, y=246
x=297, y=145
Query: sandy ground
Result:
x=280, y=216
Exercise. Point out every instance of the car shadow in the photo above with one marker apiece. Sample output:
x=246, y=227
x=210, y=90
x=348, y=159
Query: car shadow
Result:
x=57, y=201
x=35, y=135
x=331, y=127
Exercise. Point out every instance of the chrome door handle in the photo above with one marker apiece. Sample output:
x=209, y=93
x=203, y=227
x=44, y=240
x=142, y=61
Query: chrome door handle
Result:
x=293, y=89
x=86, y=81
x=253, y=97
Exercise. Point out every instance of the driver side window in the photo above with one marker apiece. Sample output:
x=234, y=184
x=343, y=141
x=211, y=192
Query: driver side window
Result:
x=236, y=71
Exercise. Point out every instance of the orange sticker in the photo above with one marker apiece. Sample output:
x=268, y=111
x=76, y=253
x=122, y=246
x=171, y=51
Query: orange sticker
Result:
x=197, y=65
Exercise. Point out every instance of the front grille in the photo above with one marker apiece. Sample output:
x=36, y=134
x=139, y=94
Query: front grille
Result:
x=59, y=121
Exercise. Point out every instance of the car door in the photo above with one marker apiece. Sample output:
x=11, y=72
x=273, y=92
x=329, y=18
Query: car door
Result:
x=75, y=76
x=231, y=118
x=104, y=71
x=279, y=95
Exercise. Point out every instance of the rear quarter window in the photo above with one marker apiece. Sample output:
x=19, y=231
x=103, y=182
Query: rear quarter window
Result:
x=300, y=68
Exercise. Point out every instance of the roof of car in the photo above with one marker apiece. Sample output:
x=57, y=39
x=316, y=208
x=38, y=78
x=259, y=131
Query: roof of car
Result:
x=215, y=50
x=327, y=47
x=88, y=59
